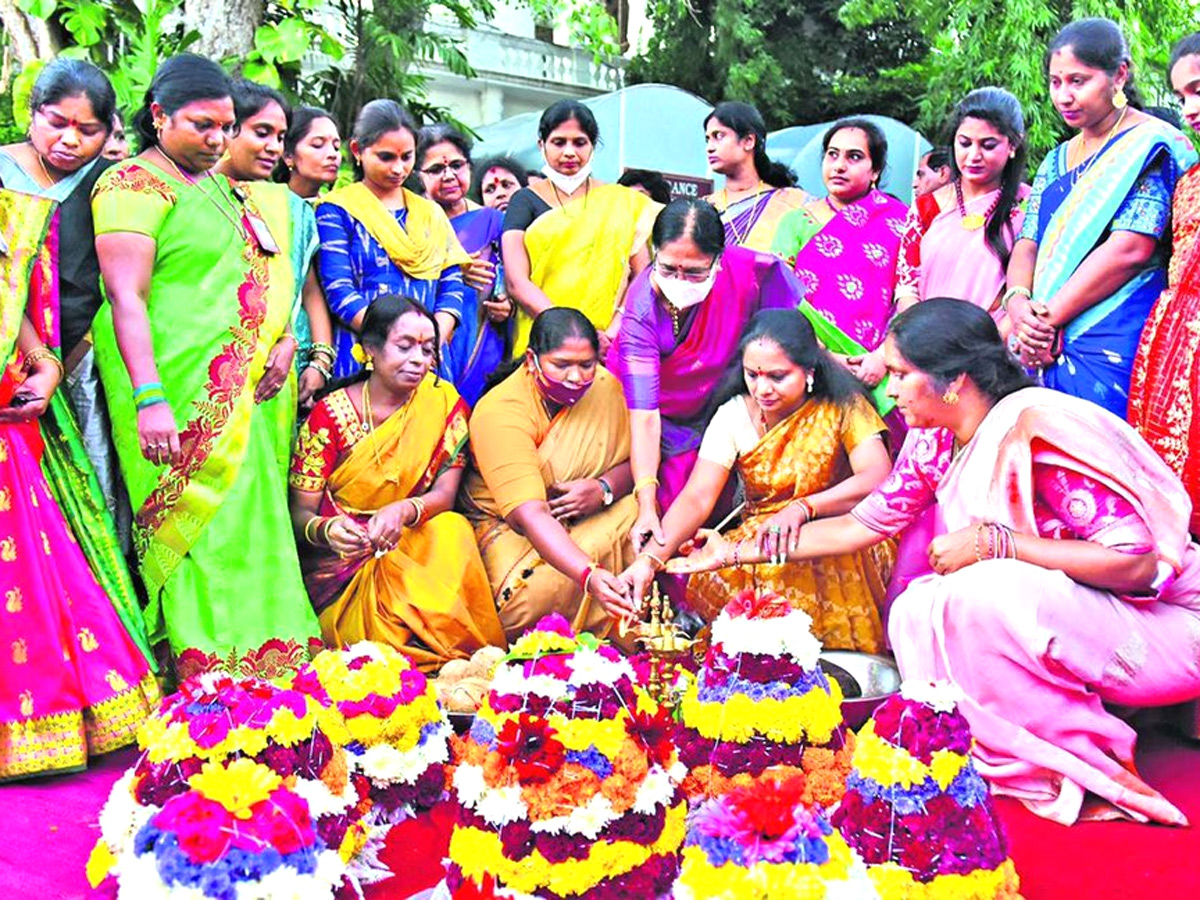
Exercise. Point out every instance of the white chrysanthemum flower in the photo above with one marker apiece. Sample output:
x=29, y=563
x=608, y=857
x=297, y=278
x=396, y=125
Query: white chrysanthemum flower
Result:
x=122, y=817
x=321, y=800
x=591, y=818
x=789, y=635
x=589, y=667
x=655, y=790
x=469, y=784
x=941, y=696
x=510, y=680
x=499, y=806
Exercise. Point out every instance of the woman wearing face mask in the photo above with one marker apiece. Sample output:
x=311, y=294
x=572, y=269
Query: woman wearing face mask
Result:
x=806, y=443
x=844, y=248
x=680, y=330
x=959, y=237
x=479, y=344
x=378, y=237
x=1165, y=390
x=1065, y=581
x=549, y=491
x=571, y=240
x=497, y=180
x=71, y=104
x=255, y=150
x=758, y=193
x=377, y=466
x=193, y=348
x=1091, y=258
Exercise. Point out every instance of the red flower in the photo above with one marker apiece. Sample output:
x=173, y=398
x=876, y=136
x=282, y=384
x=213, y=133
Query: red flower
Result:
x=769, y=807
x=469, y=890
x=654, y=732
x=281, y=821
x=202, y=826
x=752, y=605
x=529, y=745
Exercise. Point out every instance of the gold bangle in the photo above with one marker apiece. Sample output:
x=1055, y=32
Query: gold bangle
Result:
x=644, y=482
x=288, y=336
x=307, y=525
x=418, y=506
x=36, y=356
x=661, y=565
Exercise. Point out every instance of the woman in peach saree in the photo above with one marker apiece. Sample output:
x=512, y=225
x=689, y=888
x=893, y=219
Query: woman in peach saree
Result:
x=376, y=469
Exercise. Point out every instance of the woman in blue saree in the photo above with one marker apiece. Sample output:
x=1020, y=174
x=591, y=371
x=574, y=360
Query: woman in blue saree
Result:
x=1091, y=259
x=483, y=336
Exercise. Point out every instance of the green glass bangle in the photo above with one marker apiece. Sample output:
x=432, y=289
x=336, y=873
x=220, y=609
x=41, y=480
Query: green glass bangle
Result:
x=150, y=387
x=147, y=402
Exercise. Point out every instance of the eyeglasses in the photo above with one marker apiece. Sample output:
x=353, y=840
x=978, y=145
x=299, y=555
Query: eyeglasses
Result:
x=437, y=170
x=683, y=274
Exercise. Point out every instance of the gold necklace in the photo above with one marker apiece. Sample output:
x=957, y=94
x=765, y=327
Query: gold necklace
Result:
x=42, y=165
x=368, y=424
x=740, y=239
x=1091, y=161
x=587, y=189
x=233, y=220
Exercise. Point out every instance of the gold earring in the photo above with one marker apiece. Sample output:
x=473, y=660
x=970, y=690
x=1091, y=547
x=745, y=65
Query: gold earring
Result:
x=950, y=398
x=809, y=382
x=1120, y=101
x=369, y=365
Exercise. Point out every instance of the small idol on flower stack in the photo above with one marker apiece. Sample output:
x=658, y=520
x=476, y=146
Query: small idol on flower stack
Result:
x=915, y=808
x=567, y=784
x=762, y=841
x=761, y=706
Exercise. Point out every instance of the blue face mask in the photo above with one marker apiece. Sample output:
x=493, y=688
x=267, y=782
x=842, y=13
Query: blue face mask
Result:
x=559, y=392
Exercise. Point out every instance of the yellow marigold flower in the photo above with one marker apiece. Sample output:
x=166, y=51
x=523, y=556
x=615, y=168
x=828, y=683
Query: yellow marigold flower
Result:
x=288, y=730
x=237, y=786
x=172, y=742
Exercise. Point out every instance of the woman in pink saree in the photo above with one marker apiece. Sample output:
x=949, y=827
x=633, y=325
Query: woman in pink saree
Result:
x=684, y=316
x=1065, y=578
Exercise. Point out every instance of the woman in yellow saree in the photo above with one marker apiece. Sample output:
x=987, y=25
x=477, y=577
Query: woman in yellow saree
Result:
x=376, y=470
x=549, y=492
x=806, y=443
x=571, y=240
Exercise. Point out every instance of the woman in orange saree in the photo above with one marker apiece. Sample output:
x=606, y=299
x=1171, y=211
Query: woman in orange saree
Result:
x=376, y=469
x=550, y=489
x=806, y=443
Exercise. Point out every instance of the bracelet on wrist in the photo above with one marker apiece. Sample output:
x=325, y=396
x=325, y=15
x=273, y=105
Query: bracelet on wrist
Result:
x=418, y=506
x=147, y=402
x=288, y=336
x=322, y=530
x=644, y=482
x=309, y=537
x=654, y=560
x=323, y=371
x=36, y=356
x=586, y=575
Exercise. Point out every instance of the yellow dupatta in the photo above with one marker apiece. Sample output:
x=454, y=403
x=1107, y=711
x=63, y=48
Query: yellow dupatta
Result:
x=426, y=245
x=579, y=253
x=429, y=595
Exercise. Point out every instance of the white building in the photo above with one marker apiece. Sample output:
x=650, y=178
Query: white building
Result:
x=516, y=72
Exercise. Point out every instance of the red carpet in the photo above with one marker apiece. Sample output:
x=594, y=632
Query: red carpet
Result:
x=47, y=829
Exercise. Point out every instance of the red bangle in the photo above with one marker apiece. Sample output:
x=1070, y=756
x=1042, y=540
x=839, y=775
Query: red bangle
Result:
x=587, y=573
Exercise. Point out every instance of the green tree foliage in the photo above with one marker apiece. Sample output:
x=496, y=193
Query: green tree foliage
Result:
x=797, y=62
x=1002, y=42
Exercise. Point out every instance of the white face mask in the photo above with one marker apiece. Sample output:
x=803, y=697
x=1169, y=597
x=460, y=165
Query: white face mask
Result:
x=684, y=294
x=568, y=184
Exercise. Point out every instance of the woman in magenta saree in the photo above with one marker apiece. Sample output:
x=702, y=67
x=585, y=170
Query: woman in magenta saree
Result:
x=1065, y=580
x=683, y=319
x=72, y=681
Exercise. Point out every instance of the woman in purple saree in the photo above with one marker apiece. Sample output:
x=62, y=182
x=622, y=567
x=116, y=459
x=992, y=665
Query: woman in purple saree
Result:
x=683, y=318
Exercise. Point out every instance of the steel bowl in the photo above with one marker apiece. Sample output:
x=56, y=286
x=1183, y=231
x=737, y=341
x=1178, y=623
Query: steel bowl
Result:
x=866, y=681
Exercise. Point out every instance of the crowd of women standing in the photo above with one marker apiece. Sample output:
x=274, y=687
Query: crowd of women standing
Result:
x=434, y=401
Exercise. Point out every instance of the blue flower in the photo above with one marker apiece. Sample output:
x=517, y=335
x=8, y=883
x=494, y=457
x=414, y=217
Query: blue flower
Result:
x=216, y=883
x=968, y=789
x=482, y=731
x=303, y=860
x=356, y=747
x=143, y=841
x=592, y=759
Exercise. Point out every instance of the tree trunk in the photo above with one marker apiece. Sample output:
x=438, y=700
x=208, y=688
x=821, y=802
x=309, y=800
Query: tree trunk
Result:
x=226, y=27
x=30, y=37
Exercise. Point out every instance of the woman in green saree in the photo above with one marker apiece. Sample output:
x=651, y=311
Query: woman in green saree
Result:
x=196, y=358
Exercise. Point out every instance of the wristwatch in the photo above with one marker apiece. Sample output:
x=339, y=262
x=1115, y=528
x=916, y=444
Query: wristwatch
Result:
x=607, y=496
